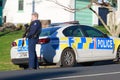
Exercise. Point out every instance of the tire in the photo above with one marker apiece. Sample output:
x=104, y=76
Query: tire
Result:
x=87, y=64
x=68, y=58
x=117, y=60
x=23, y=66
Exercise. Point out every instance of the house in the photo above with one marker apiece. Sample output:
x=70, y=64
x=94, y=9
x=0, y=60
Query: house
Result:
x=19, y=11
x=87, y=17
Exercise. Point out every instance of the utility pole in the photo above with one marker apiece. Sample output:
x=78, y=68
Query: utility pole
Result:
x=33, y=5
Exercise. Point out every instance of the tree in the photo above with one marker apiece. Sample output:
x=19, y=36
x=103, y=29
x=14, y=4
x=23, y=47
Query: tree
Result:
x=112, y=28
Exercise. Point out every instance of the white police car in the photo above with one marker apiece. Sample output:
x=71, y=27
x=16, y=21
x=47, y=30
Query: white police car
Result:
x=68, y=44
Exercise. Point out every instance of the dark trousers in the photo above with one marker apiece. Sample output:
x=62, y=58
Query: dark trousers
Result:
x=33, y=61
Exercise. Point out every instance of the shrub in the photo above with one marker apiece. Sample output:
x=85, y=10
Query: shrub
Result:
x=9, y=27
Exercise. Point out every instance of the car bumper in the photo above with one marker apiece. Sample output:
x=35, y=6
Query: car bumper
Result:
x=26, y=60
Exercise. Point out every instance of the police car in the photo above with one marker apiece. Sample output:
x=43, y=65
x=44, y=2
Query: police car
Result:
x=68, y=44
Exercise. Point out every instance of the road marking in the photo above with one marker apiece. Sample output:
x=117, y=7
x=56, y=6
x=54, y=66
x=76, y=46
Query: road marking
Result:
x=79, y=76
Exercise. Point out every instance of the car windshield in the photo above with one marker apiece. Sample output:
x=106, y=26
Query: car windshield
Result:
x=48, y=31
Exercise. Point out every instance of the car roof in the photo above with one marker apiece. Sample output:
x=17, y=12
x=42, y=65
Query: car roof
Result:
x=62, y=25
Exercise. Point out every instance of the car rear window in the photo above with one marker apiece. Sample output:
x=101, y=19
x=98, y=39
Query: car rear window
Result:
x=48, y=31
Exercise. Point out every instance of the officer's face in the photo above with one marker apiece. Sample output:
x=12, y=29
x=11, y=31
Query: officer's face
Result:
x=34, y=17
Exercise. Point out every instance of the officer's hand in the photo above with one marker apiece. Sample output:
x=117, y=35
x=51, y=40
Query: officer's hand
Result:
x=24, y=38
x=26, y=25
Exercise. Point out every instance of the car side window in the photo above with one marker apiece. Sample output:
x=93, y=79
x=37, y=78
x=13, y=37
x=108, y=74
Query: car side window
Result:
x=77, y=33
x=72, y=31
x=91, y=32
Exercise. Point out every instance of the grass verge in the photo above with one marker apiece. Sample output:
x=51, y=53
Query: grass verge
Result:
x=6, y=39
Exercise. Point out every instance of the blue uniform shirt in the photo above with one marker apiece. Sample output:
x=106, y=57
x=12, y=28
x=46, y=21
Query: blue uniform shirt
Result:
x=35, y=29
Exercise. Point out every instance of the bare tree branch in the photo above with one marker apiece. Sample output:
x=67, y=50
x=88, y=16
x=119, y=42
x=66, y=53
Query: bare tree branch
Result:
x=118, y=29
x=112, y=29
x=99, y=17
x=69, y=9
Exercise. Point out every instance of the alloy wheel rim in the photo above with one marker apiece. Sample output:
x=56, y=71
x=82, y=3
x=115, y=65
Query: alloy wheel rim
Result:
x=68, y=58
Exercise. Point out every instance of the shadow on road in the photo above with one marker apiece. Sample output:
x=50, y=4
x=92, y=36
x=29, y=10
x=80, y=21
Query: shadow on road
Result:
x=56, y=72
x=34, y=74
x=110, y=62
x=99, y=63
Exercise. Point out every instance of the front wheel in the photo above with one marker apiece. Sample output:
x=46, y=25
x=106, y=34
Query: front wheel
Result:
x=117, y=60
x=68, y=58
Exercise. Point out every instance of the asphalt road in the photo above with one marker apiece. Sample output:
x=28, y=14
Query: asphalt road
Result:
x=106, y=70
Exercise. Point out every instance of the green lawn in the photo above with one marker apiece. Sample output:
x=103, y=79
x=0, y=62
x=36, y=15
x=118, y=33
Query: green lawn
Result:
x=5, y=45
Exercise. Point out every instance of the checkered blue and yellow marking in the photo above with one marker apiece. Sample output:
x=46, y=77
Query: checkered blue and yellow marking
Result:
x=87, y=43
x=74, y=42
x=19, y=44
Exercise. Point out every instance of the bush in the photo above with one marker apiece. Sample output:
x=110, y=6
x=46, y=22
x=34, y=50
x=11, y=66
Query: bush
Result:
x=102, y=28
x=9, y=27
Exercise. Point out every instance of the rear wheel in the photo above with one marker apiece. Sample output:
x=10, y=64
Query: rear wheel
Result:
x=68, y=58
x=24, y=66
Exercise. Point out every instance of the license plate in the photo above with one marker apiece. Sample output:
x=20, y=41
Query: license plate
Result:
x=23, y=54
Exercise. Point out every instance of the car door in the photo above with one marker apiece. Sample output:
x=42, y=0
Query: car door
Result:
x=103, y=45
x=79, y=43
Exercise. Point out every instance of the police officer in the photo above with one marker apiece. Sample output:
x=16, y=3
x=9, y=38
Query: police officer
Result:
x=32, y=33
